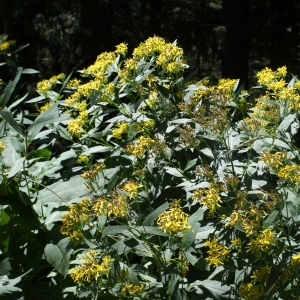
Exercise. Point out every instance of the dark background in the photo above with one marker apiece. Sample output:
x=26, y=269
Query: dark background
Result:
x=229, y=38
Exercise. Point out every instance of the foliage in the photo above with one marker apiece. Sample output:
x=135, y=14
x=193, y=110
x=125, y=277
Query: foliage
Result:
x=169, y=189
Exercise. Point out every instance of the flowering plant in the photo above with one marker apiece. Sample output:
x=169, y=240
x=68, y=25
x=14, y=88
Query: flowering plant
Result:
x=169, y=189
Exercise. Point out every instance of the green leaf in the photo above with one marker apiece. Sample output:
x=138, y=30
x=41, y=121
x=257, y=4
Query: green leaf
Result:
x=97, y=149
x=152, y=230
x=189, y=236
x=20, y=48
x=286, y=122
x=5, y=266
x=9, y=89
x=112, y=230
x=7, y=115
x=33, y=132
x=190, y=164
x=17, y=167
x=59, y=256
x=149, y=220
x=13, y=150
x=30, y=71
x=66, y=81
x=63, y=191
x=41, y=154
x=49, y=116
x=17, y=102
x=173, y=171
x=216, y=288
x=270, y=219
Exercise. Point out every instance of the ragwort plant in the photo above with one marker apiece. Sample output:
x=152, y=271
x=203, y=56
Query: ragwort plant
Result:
x=172, y=188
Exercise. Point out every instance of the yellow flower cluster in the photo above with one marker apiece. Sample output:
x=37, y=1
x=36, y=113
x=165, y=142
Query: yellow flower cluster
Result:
x=174, y=220
x=263, y=242
x=217, y=252
x=91, y=174
x=183, y=263
x=122, y=128
x=74, y=83
x=6, y=45
x=45, y=107
x=274, y=160
x=250, y=291
x=45, y=86
x=169, y=56
x=100, y=66
x=132, y=289
x=132, y=188
x=289, y=272
x=91, y=270
x=142, y=144
x=117, y=206
x=267, y=115
x=267, y=76
x=152, y=99
x=121, y=49
x=290, y=173
x=79, y=212
x=208, y=197
x=219, y=95
x=279, y=163
x=2, y=147
x=237, y=242
x=262, y=274
x=82, y=159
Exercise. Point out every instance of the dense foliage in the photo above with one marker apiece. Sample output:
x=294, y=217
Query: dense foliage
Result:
x=165, y=187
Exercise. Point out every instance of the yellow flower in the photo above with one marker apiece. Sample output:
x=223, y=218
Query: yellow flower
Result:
x=132, y=289
x=122, y=128
x=237, y=242
x=152, y=99
x=275, y=160
x=121, y=49
x=265, y=76
x=74, y=83
x=117, y=206
x=75, y=127
x=250, y=291
x=90, y=270
x=208, y=197
x=132, y=188
x=6, y=45
x=91, y=174
x=263, y=242
x=82, y=159
x=2, y=147
x=174, y=220
x=281, y=72
x=217, y=253
x=290, y=173
x=79, y=212
x=45, y=107
x=142, y=144
x=100, y=66
x=43, y=87
x=262, y=274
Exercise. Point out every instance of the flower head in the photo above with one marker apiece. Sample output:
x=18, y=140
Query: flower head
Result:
x=217, y=252
x=173, y=220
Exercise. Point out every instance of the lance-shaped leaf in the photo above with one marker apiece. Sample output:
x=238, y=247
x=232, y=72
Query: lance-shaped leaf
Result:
x=49, y=116
x=7, y=115
x=9, y=89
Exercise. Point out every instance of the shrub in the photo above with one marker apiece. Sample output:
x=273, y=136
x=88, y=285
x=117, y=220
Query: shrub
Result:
x=170, y=188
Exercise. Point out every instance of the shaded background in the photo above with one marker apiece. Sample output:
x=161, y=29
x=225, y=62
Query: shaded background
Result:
x=220, y=38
